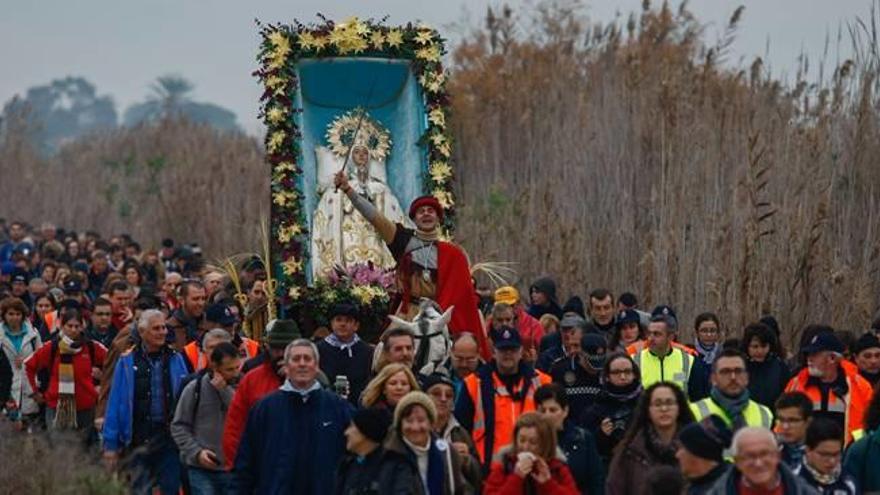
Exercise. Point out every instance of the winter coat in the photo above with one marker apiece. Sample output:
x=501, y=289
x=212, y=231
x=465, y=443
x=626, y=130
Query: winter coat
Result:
x=470, y=465
x=862, y=459
x=703, y=484
x=767, y=380
x=381, y=472
x=256, y=384
x=198, y=419
x=791, y=484
x=48, y=357
x=353, y=362
x=579, y=447
x=20, y=390
x=292, y=444
x=845, y=484
x=454, y=483
x=619, y=411
x=119, y=416
x=503, y=480
x=628, y=473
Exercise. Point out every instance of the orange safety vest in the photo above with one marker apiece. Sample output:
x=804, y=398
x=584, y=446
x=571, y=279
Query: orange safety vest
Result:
x=637, y=347
x=852, y=405
x=247, y=350
x=506, y=409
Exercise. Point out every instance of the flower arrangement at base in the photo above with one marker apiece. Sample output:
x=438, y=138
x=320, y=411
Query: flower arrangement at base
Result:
x=368, y=287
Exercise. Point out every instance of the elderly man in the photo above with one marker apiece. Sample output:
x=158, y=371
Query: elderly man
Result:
x=837, y=390
x=146, y=382
x=729, y=397
x=464, y=360
x=758, y=469
x=294, y=437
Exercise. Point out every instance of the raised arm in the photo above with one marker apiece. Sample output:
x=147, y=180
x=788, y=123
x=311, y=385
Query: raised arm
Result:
x=385, y=227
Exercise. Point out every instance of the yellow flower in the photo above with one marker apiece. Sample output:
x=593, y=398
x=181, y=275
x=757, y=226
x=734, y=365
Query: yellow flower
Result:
x=445, y=150
x=294, y=293
x=430, y=54
x=279, y=198
x=306, y=40
x=363, y=294
x=279, y=40
x=288, y=232
x=438, y=117
x=291, y=266
x=284, y=167
x=424, y=37
x=394, y=38
x=440, y=172
x=275, y=115
x=275, y=82
x=275, y=141
x=320, y=43
x=354, y=24
x=444, y=197
x=377, y=39
x=438, y=138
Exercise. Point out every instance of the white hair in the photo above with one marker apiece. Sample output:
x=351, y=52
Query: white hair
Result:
x=146, y=316
x=301, y=343
x=217, y=334
x=751, y=430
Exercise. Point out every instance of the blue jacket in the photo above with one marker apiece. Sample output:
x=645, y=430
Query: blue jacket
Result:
x=292, y=446
x=118, y=416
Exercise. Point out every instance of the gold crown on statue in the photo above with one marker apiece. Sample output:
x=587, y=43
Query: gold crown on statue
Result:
x=343, y=134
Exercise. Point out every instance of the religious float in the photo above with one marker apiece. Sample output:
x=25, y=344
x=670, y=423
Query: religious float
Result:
x=368, y=99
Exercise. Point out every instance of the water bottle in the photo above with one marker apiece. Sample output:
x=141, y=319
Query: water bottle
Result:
x=341, y=386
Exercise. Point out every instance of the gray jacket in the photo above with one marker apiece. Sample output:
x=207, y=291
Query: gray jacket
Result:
x=194, y=430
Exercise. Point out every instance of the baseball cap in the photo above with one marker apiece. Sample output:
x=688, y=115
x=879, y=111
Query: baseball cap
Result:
x=506, y=338
x=823, y=341
x=627, y=316
x=220, y=314
x=72, y=286
x=507, y=295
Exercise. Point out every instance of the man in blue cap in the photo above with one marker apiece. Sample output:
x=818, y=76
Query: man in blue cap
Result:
x=833, y=384
x=579, y=371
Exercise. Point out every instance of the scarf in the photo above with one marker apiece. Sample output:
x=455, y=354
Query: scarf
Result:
x=733, y=406
x=625, y=393
x=664, y=452
x=65, y=412
x=429, y=235
x=433, y=473
x=706, y=353
x=823, y=479
x=334, y=341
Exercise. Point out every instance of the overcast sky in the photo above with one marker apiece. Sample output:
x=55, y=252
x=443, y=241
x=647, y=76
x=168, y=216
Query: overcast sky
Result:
x=122, y=46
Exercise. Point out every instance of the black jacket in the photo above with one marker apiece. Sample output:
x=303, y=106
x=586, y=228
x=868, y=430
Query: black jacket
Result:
x=619, y=411
x=354, y=363
x=583, y=459
x=381, y=472
x=767, y=380
x=702, y=485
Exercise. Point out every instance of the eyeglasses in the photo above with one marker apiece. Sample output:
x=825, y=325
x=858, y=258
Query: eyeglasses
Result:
x=664, y=404
x=728, y=372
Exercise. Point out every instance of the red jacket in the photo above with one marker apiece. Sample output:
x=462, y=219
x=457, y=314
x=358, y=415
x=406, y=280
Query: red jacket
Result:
x=255, y=385
x=84, y=387
x=504, y=481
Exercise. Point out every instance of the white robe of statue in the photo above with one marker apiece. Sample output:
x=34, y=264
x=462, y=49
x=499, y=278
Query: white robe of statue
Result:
x=340, y=234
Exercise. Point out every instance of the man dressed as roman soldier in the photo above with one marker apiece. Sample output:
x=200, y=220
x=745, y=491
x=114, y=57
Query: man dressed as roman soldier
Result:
x=426, y=266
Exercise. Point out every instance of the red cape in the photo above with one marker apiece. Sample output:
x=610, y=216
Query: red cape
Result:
x=455, y=288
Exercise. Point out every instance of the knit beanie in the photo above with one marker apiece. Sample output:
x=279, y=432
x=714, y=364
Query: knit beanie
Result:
x=279, y=333
x=372, y=422
x=411, y=399
x=866, y=341
x=706, y=439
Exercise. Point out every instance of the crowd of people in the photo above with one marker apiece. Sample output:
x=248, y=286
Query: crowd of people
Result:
x=157, y=362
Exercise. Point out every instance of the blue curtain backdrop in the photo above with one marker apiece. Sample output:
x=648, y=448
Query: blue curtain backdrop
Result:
x=391, y=95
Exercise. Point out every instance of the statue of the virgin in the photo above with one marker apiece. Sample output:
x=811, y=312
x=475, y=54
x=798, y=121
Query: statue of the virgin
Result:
x=341, y=235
